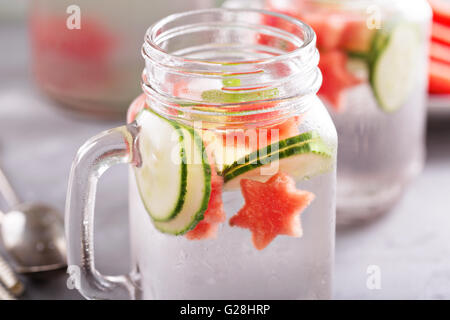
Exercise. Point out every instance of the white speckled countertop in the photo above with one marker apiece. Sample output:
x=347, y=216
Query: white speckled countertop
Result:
x=411, y=245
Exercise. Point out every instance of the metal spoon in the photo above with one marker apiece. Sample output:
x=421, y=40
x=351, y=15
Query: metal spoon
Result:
x=9, y=279
x=32, y=233
x=5, y=295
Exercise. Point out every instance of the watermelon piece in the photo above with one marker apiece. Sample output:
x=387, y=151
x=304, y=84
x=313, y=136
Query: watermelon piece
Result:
x=286, y=129
x=71, y=60
x=274, y=41
x=357, y=37
x=328, y=26
x=214, y=214
x=136, y=106
x=232, y=145
x=180, y=88
x=335, y=30
x=440, y=52
x=439, y=76
x=441, y=11
x=139, y=104
x=271, y=208
x=440, y=33
x=336, y=78
x=276, y=22
x=92, y=42
x=264, y=136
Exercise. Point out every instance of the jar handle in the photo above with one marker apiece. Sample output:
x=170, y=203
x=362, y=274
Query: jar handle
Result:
x=98, y=154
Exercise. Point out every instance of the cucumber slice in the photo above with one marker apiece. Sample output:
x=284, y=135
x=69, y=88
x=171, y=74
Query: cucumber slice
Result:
x=198, y=187
x=161, y=180
x=302, y=156
x=392, y=72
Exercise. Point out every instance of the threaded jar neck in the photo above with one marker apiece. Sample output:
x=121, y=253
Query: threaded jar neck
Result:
x=221, y=62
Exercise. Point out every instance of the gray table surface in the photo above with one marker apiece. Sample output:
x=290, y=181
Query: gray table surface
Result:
x=410, y=245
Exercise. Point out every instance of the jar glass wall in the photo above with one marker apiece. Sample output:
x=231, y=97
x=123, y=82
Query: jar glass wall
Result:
x=235, y=82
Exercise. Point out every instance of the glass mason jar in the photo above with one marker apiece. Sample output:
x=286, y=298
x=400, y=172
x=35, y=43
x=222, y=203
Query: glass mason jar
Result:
x=232, y=166
x=85, y=53
x=373, y=57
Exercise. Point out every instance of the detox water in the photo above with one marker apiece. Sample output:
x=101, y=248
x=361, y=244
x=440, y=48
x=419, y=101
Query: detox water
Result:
x=229, y=267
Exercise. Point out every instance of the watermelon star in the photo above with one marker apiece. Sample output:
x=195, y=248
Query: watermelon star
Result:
x=271, y=208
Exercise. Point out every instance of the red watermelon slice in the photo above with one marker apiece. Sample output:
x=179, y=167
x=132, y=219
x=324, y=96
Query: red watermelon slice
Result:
x=441, y=11
x=71, y=60
x=136, y=106
x=440, y=52
x=440, y=33
x=439, y=77
x=357, y=37
x=336, y=78
x=91, y=42
x=264, y=136
x=140, y=103
x=329, y=28
x=271, y=208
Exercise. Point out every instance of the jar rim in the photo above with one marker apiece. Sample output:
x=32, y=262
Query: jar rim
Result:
x=277, y=78
x=152, y=47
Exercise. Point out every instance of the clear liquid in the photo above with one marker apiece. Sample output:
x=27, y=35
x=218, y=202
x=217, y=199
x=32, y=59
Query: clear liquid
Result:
x=229, y=267
x=379, y=153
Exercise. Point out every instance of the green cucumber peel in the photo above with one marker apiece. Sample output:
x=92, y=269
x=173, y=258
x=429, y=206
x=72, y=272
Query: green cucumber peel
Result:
x=309, y=142
x=380, y=45
x=270, y=149
x=198, y=216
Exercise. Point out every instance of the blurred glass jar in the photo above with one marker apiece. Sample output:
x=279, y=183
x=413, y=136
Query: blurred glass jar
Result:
x=86, y=53
x=374, y=62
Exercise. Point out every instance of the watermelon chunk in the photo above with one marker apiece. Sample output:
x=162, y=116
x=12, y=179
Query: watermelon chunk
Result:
x=329, y=28
x=260, y=137
x=441, y=11
x=440, y=33
x=440, y=52
x=71, y=60
x=439, y=78
x=336, y=78
x=139, y=104
x=136, y=106
x=232, y=145
x=357, y=37
x=92, y=42
x=271, y=208
x=214, y=214
x=274, y=41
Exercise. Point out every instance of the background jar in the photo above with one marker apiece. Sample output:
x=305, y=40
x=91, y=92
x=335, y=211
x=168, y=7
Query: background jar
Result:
x=94, y=69
x=374, y=63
